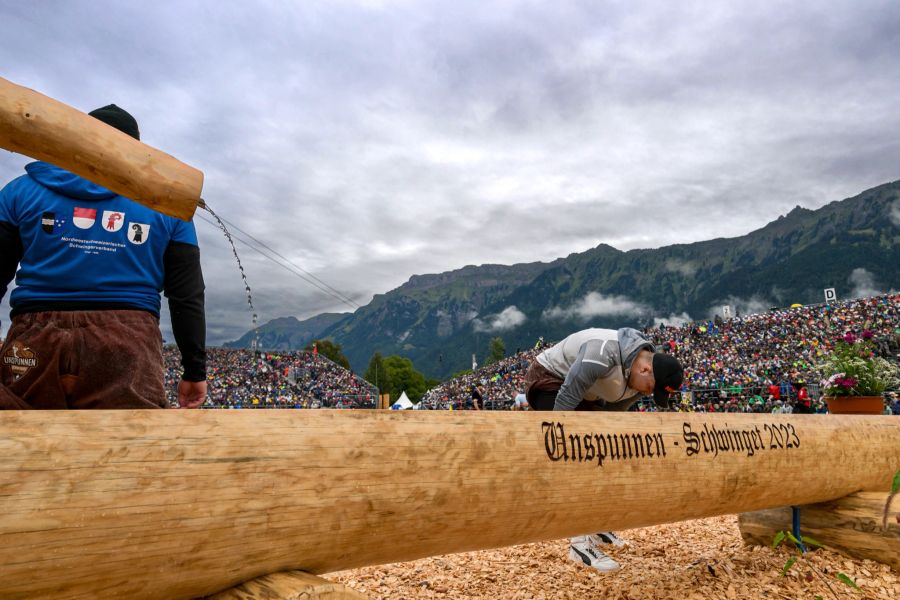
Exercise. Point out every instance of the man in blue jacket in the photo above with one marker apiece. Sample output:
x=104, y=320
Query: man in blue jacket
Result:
x=85, y=310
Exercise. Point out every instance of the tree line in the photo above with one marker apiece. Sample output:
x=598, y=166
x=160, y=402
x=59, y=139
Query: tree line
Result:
x=396, y=374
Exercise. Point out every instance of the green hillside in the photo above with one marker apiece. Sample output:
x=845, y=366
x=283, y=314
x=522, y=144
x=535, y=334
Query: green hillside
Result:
x=440, y=320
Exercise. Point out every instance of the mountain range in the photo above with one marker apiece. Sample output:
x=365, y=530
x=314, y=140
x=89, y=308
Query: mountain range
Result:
x=440, y=320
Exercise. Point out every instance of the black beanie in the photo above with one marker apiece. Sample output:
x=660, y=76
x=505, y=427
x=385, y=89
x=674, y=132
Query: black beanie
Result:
x=668, y=374
x=119, y=118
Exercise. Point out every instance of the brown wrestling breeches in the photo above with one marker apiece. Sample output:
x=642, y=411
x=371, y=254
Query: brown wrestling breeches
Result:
x=542, y=386
x=82, y=359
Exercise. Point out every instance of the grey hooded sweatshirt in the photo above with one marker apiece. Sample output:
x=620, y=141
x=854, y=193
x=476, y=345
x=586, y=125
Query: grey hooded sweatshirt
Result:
x=595, y=365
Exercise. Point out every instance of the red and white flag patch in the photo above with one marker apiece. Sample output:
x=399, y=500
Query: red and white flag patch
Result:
x=84, y=218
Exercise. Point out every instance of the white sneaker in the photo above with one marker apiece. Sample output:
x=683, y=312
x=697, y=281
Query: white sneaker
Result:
x=582, y=550
x=606, y=537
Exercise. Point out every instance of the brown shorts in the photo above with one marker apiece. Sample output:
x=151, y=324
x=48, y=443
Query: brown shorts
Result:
x=539, y=378
x=541, y=387
x=83, y=359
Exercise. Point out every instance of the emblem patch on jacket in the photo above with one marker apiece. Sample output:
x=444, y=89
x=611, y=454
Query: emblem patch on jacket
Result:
x=113, y=220
x=50, y=223
x=84, y=217
x=138, y=233
x=19, y=359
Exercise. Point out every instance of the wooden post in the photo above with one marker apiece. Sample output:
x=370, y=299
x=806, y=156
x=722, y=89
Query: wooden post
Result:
x=851, y=525
x=46, y=129
x=180, y=504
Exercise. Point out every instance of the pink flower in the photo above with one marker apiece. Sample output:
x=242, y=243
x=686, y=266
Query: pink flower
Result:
x=846, y=382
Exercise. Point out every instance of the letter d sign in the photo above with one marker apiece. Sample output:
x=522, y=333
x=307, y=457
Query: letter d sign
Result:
x=830, y=296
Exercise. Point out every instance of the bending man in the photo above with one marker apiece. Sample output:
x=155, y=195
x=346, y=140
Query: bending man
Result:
x=600, y=369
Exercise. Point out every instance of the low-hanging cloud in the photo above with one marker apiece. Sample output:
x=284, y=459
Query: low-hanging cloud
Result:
x=506, y=319
x=673, y=320
x=863, y=284
x=685, y=267
x=895, y=212
x=595, y=304
x=753, y=305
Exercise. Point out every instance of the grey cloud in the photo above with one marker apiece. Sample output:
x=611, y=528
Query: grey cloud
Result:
x=673, y=320
x=595, y=304
x=753, y=305
x=895, y=212
x=685, y=267
x=864, y=284
x=508, y=318
x=369, y=143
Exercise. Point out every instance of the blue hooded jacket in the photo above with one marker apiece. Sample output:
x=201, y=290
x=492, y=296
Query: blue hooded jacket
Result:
x=82, y=243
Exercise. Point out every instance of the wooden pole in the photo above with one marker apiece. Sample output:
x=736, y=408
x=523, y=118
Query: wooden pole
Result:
x=851, y=525
x=46, y=129
x=180, y=504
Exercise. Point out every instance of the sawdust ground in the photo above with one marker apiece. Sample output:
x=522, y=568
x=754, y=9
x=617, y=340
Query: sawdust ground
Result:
x=697, y=559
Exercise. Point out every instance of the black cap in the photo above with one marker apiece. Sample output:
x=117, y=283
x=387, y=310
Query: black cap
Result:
x=669, y=374
x=119, y=118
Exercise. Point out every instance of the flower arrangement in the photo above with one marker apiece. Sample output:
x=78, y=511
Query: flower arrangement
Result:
x=853, y=369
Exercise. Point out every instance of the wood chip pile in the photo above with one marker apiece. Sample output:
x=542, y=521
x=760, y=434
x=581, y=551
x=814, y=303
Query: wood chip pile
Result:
x=692, y=560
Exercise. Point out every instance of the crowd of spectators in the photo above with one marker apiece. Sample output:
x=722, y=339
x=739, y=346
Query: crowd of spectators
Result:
x=755, y=363
x=769, y=362
x=498, y=385
x=247, y=379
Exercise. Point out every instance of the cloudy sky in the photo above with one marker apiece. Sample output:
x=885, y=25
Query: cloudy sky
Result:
x=367, y=141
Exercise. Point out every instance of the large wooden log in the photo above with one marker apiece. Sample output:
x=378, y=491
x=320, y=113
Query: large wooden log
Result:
x=178, y=504
x=46, y=129
x=851, y=525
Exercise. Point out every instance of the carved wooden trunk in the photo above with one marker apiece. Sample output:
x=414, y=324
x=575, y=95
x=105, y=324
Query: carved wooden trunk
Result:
x=178, y=504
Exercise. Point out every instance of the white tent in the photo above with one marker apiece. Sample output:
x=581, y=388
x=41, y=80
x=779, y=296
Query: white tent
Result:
x=402, y=403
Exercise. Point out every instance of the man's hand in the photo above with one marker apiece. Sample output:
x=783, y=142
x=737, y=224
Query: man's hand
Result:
x=191, y=394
